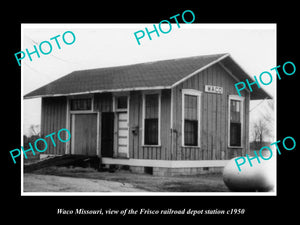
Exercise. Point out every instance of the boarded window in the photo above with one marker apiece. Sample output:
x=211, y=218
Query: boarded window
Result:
x=235, y=123
x=81, y=104
x=151, y=119
x=190, y=120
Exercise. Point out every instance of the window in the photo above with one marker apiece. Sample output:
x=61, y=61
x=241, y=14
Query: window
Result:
x=235, y=121
x=151, y=119
x=81, y=104
x=190, y=133
x=122, y=102
x=191, y=118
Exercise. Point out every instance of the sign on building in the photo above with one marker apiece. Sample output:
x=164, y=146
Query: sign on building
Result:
x=213, y=89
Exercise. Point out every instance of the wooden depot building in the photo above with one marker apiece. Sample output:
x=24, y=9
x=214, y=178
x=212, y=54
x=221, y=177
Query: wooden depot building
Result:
x=178, y=116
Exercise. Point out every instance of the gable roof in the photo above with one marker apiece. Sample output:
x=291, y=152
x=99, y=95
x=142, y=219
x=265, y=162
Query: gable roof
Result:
x=143, y=76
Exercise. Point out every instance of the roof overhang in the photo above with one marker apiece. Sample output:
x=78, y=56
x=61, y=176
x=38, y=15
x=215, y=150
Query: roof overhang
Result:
x=240, y=75
x=225, y=61
x=100, y=91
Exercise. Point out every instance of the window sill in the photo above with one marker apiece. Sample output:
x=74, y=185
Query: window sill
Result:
x=121, y=110
x=81, y=111
x=151, y=146
x=185, y=146
x=235, y=146
x=121, y=157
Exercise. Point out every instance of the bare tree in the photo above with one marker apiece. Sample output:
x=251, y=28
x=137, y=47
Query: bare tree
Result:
x=269, y=117
x=260, y=130
x=263, y=127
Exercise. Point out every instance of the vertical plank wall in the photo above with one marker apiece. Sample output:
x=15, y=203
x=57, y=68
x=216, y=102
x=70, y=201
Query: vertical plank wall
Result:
x=136, y=150
x=103, y=102
x=213, y=122
x=53, y=118
x=214, y=117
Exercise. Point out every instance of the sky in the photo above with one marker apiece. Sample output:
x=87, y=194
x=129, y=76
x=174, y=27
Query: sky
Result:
x=252, y=46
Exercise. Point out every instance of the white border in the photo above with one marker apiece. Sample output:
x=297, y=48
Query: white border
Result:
x=125, y=26
x=149, y=194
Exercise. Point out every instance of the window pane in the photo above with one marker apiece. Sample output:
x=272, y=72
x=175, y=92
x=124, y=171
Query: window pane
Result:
x=151, y=132
x=235, y=134
x=235, y=111
x=122, y=102
x=235, y=122
x=190, y=107
x=151, y=106
x=190, y=132
x=81, y=104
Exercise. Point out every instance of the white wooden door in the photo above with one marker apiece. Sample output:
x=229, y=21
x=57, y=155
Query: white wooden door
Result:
x=123, y=134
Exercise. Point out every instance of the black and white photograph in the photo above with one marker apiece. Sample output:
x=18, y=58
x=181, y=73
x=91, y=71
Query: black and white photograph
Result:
x=131, y=113
x=185, y=112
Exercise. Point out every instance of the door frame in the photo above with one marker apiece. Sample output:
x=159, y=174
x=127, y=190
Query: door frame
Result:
x=117, y=136
x=72, y=125
x=117, y=111
x=100, y=136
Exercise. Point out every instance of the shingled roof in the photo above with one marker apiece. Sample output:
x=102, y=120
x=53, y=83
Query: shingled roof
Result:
x=143, y=76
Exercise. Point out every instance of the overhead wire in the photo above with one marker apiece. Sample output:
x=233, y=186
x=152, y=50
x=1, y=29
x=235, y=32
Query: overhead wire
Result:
x=63, y=60
x=262, y=101
x=35, y=70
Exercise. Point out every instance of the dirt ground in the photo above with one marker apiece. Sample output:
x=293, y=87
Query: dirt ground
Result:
x=76, y=179
x=51, y=183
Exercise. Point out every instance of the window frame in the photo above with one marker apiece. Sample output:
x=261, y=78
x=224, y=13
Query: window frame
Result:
x=115, y=102
x=144, y=114
x=70, y=98
x=198, y=94
x=242, y=100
